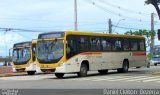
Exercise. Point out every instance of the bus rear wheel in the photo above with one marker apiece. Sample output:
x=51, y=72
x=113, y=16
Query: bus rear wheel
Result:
x=125, y=67
x=155, y=64
x=59, y=75
x=103, y=71
x=83, y=71
x=31, y=72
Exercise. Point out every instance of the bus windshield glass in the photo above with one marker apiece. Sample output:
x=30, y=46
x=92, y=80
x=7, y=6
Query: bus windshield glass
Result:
x=50, y=51
x=21, y=55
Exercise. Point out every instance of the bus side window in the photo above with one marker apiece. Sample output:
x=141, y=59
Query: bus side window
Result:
x=106, y=44
x=83, y=43
x=134, y=45
x=95, y=44
x=116, y=44
x=126, y=46
x=141, y=45
x=71, y=49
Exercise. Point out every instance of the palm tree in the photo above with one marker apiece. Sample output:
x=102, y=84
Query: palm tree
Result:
x=155, y=3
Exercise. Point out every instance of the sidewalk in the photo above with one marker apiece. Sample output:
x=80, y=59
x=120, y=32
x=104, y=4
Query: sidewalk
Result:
x=13, y=74
x=6, y=71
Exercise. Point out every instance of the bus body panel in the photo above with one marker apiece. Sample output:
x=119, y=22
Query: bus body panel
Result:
x=102, y=61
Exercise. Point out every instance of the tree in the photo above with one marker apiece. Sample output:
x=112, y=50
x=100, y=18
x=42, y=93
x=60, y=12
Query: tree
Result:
x=155, y=3
x=148, y=35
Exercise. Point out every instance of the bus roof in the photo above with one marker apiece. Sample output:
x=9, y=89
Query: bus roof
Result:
x=34, y=41
x=61, y=34
x=21, y=44
x=101, y=34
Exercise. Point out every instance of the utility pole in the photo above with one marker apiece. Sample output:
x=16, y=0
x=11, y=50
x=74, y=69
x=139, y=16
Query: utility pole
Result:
x=110, y=26
x=152, y=30
x=75, y=16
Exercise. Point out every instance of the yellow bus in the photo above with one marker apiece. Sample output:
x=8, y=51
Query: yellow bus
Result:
x=23, y=57
x=80, y=52
x=32, y=66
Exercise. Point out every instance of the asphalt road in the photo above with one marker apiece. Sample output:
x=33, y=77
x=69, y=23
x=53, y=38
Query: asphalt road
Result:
x=142, y=78
x=94, y=84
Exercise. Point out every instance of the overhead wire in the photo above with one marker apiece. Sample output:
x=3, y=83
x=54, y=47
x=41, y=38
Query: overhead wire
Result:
x=131, y=28
x=18, y=30
x=112, y=12
x=124, y=9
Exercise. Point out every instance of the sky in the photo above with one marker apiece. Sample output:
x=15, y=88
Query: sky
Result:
x=58, y=15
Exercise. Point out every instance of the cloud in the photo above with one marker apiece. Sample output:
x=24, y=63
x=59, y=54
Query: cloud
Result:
x=7, y=40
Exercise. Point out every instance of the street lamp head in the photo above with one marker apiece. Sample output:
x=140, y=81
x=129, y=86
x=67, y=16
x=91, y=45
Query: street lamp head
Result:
x=117, y=24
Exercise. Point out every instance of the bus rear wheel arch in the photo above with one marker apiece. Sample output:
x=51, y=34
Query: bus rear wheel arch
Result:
x=83, y=69
x=125, y=67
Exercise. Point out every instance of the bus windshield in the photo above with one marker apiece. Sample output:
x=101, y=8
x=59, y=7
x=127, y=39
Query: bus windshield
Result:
x=50, y=51
x=21, y=55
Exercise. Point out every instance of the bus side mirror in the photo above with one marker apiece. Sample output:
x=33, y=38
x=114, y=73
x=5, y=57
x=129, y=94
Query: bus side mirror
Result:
x=158, y=34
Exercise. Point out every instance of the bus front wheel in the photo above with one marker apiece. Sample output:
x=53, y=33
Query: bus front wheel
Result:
x=124, y=68
x=103, y=71
x=83, y=71
x=59, y=75
x=31, y=72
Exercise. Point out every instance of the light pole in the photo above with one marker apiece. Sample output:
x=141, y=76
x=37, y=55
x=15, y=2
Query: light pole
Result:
x=117, y=24
x=75, y=16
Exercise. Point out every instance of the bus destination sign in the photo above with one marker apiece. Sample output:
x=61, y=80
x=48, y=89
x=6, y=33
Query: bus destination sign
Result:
x=23, y=44
x=51, y=35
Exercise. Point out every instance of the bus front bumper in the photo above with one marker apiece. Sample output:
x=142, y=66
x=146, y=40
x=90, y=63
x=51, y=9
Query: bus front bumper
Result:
x=63, y=68
x=60, y=69
x=31, y=67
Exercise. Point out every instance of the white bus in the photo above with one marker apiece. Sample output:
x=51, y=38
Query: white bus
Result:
x=80, y=52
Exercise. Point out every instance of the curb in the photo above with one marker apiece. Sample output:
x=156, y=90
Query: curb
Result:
x=20, y=74
x=10, y=75
x=156, y=73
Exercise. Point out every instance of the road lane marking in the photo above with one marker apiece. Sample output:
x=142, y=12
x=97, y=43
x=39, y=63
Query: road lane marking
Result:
x=122, y=78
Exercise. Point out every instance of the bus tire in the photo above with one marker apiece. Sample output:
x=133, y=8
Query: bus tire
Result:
x=83, y=71
x=103, y=71
x=125, y=67
x=59, y=75
x=155, y=64
x=31, y=72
